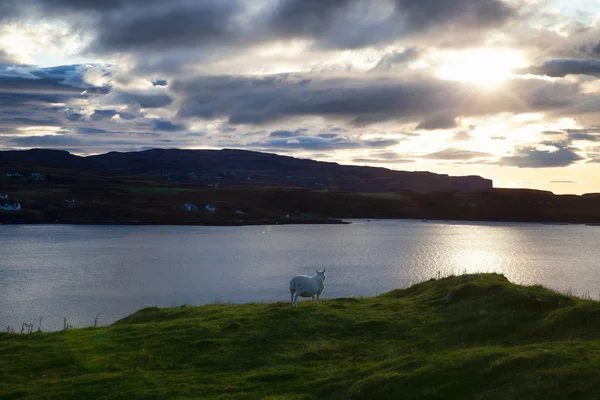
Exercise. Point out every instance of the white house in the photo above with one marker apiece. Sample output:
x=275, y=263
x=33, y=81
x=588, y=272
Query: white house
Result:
x=70, y=201
x=239, y=212
x=189, y=207
x=37, y=176
x=11, y=207
x=210, y=208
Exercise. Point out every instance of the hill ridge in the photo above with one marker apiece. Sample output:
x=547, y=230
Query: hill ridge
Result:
x=238, y=167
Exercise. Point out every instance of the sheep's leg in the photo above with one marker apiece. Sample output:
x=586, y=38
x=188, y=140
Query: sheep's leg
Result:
x=318, y=295
x=292, y=298
x=295, y=304
x=312, y=301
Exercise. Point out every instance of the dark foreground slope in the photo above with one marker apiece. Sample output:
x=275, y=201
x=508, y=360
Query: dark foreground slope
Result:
x=493, y=340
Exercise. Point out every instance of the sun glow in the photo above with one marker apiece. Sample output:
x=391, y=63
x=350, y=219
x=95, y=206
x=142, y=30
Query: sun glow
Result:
x=485, y=67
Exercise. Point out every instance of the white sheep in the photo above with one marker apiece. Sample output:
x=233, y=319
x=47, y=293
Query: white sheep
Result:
x=307, y=286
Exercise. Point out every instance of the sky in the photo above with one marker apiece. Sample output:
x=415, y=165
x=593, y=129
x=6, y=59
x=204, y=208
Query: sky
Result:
x=505, y=89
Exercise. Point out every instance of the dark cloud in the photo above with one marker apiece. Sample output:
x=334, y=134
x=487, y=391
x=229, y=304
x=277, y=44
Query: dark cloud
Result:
x=130, y=25
x=530, y=157
x=100, y=145
x=588, y=134
x=93, y=131
x=88, y=5
x=74, y=116
x=26, y=121
x=5, y=58
x=591, y=134
x=354, y=23
x=127, y=116
x=101, y=115
x=295, y=133
x=167, y=126
x=463, y=134
x=37, y=86
x=37, y=97
x=33, y=93
x=379, y=161
x=563, y=182
x=584, y=136
x=257, y=100
x=456, y=154
x=423, y=14
x=327, y=135
x=317, y=143
x=389, y=61
x=71, y=8
x=149, y=99
x=384, y=157
x=562, y=68
x=282, y=134
x=438, y=122
x=58, y=141
x=307, y=17
x=176, y=24
x=379, y=143
x=159, y=82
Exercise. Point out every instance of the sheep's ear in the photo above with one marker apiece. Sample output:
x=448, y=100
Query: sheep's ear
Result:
x=323, y=270
x=317, y=271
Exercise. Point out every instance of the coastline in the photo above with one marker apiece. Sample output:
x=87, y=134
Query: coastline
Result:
x=171, y=223
x=298, y=221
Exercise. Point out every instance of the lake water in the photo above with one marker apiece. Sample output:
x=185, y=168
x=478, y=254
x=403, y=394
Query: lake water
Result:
x=57, y=271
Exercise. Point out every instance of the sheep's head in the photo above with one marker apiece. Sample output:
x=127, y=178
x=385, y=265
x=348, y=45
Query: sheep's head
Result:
x=322, y=274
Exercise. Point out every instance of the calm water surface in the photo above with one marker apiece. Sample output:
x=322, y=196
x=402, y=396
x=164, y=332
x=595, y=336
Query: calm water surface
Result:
x=56, y=271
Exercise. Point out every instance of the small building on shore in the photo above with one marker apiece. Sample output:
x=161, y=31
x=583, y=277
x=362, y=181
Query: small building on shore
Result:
x=189, y=207
x=11, y=207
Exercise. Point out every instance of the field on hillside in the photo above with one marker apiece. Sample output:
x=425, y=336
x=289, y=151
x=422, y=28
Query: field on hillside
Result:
x=491, y=340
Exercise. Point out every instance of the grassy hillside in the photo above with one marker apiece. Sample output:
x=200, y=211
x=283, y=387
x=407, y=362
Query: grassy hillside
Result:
x=92, y=197
x=492, y=340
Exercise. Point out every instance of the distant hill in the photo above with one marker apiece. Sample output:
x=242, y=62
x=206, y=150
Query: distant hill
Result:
x=234, y=187
x=43, y=157
x=230, y=167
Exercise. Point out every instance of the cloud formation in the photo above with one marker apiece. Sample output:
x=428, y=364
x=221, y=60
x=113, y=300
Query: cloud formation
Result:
x=258, y=100
x=355, y=23
x=356, y=79
x=456, y=154
x=195, y=24
x=320, y=143
x=438, y=122
x=530, y=157
x=562, y=68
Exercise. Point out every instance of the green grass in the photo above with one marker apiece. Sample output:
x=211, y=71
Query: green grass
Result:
x=489, y=342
